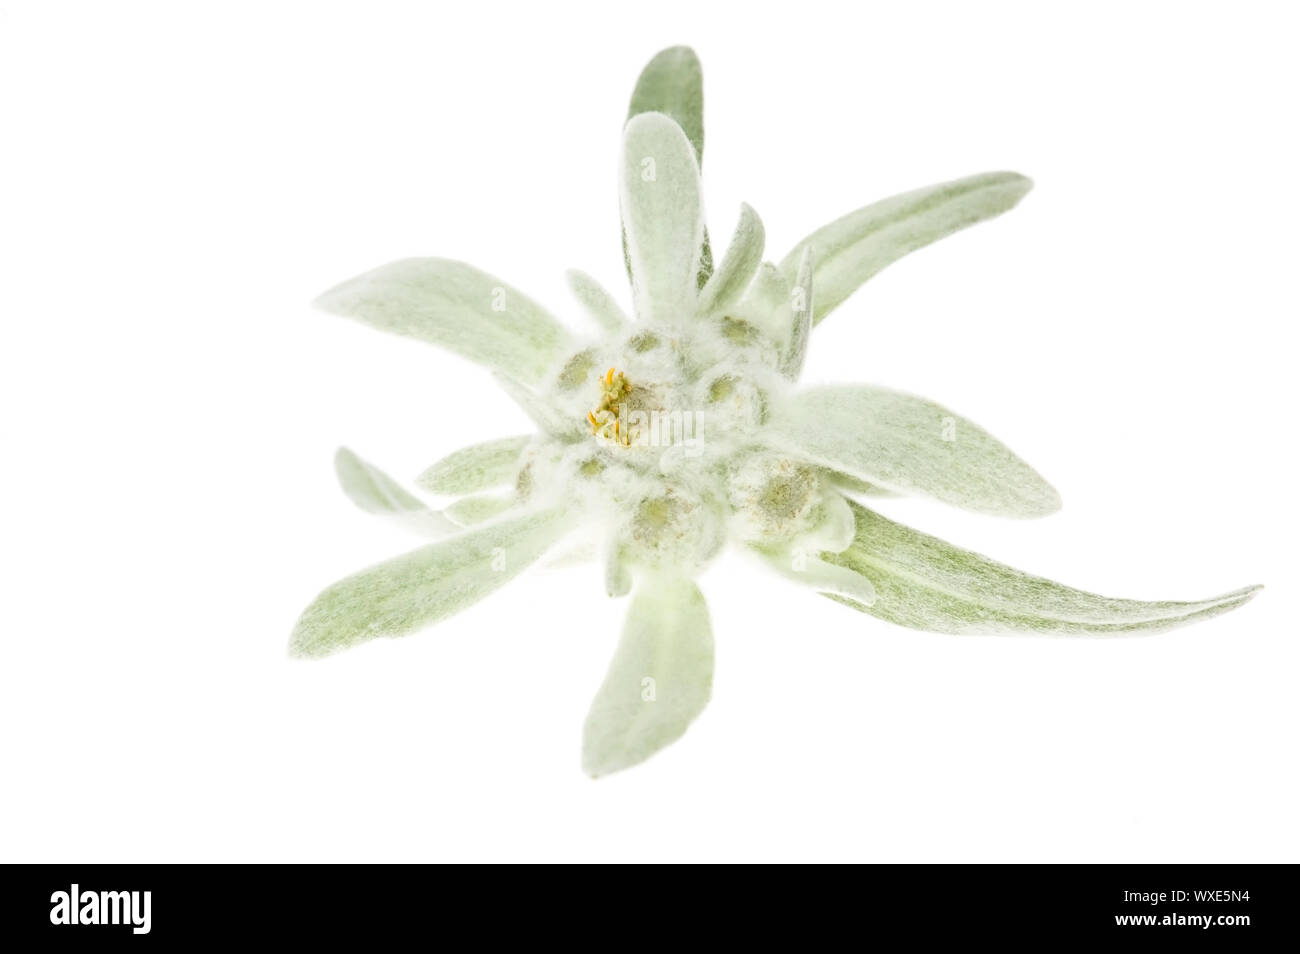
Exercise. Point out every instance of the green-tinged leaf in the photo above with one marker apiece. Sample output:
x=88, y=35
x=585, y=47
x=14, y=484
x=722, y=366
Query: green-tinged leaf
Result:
x=663, y=218
x=468, y=511
x=597, y=301
x=732, y=277
x=924, y=583
x=705, y=271
x=801, y=312
x=853, y=248
x=659, y=681
x=419, y=588
x=477, y=467
x=375, y=492
x=906, y=443
x=673, y=84
x=458, y=307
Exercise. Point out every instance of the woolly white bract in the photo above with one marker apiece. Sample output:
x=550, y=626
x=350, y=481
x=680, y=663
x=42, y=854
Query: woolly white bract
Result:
x=678, y=429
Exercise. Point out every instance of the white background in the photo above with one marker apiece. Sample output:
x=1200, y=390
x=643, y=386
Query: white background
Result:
x=180, y=180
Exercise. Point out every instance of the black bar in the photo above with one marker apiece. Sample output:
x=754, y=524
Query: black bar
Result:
x=1221, y=904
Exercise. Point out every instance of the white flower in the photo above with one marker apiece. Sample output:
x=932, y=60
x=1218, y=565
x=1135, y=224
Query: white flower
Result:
x=678, y=430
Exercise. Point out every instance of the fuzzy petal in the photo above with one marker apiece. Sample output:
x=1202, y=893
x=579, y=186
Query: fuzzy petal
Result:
x=458, y=307
x=732, y=277
x=905, y=443
x=853, y=248
x=419, y=588
x=853, y=485
x=663, y=218
x=477, y=467
x=672, y=83
x=765, y=306
x=835, y=530
x=924, y=583
x=479, y=508
x=618, y=577
x=822, y=575
x=375, y=492
x=660, y=679
x=543, y=411
x=597, y=301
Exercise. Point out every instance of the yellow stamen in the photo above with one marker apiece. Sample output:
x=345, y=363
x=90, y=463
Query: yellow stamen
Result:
x=614, y=390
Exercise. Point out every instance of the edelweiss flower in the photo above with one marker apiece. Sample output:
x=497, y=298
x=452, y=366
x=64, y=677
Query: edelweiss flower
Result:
x=679, y=429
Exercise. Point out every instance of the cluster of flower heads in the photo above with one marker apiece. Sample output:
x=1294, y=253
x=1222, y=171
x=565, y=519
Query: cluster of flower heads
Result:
x=676, y=429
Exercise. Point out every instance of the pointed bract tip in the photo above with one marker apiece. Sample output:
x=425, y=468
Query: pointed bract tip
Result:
x=299, y=646
x=306, y=642
x=327, y=301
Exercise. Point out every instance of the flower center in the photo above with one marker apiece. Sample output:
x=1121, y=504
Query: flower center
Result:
x=604, y=420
